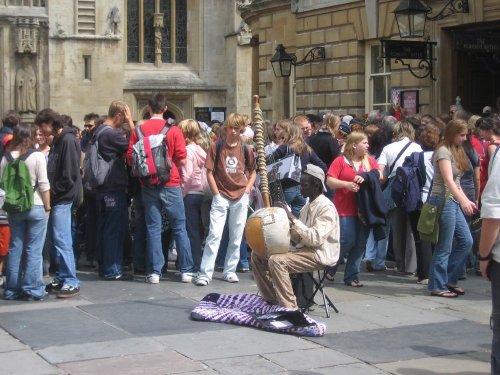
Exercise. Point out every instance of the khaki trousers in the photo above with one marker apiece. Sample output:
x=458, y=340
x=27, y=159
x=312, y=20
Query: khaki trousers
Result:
x=272, y=275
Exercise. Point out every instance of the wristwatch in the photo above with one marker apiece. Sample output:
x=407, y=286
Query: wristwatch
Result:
x=487, y=257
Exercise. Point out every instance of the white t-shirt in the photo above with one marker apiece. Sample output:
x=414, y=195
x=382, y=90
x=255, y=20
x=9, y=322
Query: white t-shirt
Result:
x=490, y=199
x=391, y=151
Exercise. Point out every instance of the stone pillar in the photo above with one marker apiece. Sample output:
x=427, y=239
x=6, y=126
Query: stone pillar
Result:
x=158, y=25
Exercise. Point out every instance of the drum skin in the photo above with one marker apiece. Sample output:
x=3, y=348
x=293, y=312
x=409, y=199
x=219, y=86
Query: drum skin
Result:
x=267, y=231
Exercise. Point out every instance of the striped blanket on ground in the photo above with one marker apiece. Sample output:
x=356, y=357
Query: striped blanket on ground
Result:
x=251, y=310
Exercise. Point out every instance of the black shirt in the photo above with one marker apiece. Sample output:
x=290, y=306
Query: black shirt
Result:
x=113, y=144
x=325, y=146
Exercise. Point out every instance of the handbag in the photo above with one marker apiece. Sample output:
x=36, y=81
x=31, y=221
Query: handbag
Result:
x=428, y=222
x=289, y=167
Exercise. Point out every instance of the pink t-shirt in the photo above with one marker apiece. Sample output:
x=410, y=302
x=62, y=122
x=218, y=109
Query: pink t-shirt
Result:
x=344, y=199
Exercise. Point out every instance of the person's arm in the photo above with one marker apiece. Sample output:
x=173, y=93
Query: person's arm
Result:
x=477, y=183
x=132, y=142
x=446, y=172
x=46, y=200
x=70, y=168
x=313, y=237
x=128, y=118
x=211, y=182
x=335, y=183
x=489, y=235
x=251, y=181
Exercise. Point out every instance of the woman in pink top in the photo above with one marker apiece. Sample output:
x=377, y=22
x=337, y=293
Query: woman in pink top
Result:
x=343, y=176
x=194, y=184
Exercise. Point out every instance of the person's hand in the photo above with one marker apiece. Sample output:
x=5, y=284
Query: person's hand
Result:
x=483, y=266
x=352, y=186
x=128, y=114
x=284, y=206
x=468, y=207
x=359, y=180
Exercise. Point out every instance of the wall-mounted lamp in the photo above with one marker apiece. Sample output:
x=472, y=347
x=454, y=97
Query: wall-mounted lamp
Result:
x=412, y=14
x=282, y=61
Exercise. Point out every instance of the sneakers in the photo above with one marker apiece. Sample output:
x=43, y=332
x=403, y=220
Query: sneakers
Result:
x=231, y=278
x=1, y=280
x=53, y=287
x=68, y=291
x=153, y=278
x=244, y=269
x=423, y=282
x=187, y=277
x=201, y=282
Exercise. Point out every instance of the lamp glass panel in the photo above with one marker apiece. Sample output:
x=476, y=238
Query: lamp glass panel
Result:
x=418, y=25
x=286, y=68
x=403, y=21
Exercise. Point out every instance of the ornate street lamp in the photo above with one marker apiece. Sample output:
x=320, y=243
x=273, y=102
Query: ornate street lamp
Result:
x=282, y=61
x=412, y=14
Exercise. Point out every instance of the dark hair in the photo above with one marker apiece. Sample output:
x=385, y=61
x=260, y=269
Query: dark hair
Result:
x=11, y=119
x=157, y=103
x=91, y=117
x=312, y=118
x=23, y=139
x=66, y=120
x=49, y=116
x=489, y=123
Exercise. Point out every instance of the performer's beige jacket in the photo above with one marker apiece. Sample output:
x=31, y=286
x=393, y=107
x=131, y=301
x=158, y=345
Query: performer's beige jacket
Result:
x=318, y=230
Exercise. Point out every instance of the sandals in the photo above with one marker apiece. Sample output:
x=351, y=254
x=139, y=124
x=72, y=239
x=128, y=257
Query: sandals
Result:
x=330, y=277
x=444, y=294
x=456, y=289
x=354, y=284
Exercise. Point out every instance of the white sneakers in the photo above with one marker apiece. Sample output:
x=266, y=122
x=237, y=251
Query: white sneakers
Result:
x=231, y=278
x=188, y=277
x=153, y=278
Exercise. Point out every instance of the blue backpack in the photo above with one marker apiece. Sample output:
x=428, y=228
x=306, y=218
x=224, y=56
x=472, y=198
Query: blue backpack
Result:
x=408, y=183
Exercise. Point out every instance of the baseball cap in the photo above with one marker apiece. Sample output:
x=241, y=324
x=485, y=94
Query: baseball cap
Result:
x=317, y=172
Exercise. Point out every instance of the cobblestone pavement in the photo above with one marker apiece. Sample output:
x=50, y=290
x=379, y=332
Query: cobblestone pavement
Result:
x=390, y=326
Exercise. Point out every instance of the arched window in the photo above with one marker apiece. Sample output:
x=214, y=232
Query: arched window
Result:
x=145, y=34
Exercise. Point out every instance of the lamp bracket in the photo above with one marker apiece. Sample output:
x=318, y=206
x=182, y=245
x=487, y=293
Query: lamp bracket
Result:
x=451, y=7
x=317, y=53
x=423, y=65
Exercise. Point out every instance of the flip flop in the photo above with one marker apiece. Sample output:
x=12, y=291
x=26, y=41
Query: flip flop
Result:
x=330, y=277
x=456, y=289
x=354, y=284
x=444, y=294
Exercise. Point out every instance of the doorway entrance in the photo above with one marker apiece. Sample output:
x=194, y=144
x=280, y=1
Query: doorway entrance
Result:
x=477, y=79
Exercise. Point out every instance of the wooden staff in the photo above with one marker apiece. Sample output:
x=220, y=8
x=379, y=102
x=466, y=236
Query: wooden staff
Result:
x=257, y=123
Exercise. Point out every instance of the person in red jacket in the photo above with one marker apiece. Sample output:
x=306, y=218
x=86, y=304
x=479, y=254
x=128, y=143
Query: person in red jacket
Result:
x=167, y=196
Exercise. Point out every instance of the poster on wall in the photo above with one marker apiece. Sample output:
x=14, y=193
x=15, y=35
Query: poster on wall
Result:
x=207, y=114
x=409, y=101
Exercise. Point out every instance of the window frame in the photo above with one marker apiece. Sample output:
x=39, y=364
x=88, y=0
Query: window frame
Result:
x=369, y=80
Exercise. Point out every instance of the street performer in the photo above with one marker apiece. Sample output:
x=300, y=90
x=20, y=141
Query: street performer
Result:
x=316, y=235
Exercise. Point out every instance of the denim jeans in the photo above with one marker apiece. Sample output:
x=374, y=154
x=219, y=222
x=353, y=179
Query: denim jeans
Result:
x=170, y=198
x=192, y=205
x=63, y=244
x=495, y=316
x=140, y=241
x=451, y=250
x=223, y=208
x=113, y=220
x=90, y=227
x=294, y=199
x=27, y=235
x=353, y=237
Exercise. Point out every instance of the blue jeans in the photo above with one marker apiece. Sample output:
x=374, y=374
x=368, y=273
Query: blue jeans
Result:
x=353, y=237
x=236, y=214
x=27, y=235
x=192, y=205
x=113, y=219
x=63, y=244
x=294, y=199
x=454, y=243
x=139, y=244
x=91, y=228
x=170, y=198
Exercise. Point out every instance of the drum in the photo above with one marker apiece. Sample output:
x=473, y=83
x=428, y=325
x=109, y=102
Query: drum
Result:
x=268, y=231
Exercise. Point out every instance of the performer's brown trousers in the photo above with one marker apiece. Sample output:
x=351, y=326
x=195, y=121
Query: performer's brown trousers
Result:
x=272, y=275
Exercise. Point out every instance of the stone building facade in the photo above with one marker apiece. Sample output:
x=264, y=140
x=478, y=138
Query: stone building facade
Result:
x=76, y=56
x=353, y=77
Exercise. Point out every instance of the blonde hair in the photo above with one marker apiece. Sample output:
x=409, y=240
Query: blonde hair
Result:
x=191, y=130
x=331, y=122
x=403, y=129
x=296, y=141
x=353, y=139
x=235, y=120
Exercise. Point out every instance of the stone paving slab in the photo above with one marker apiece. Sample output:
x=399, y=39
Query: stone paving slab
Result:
x=309, y=359
x=454, y=364
x=410, y=342
x=49, y=302
x=153, y=317
x=50, y=327
x=167, y=362
x=235, y=342
x=247, y=365
x=25, y=362
x=390, y=314
x=98, y=350
x=9, y=343
x=351, y=369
